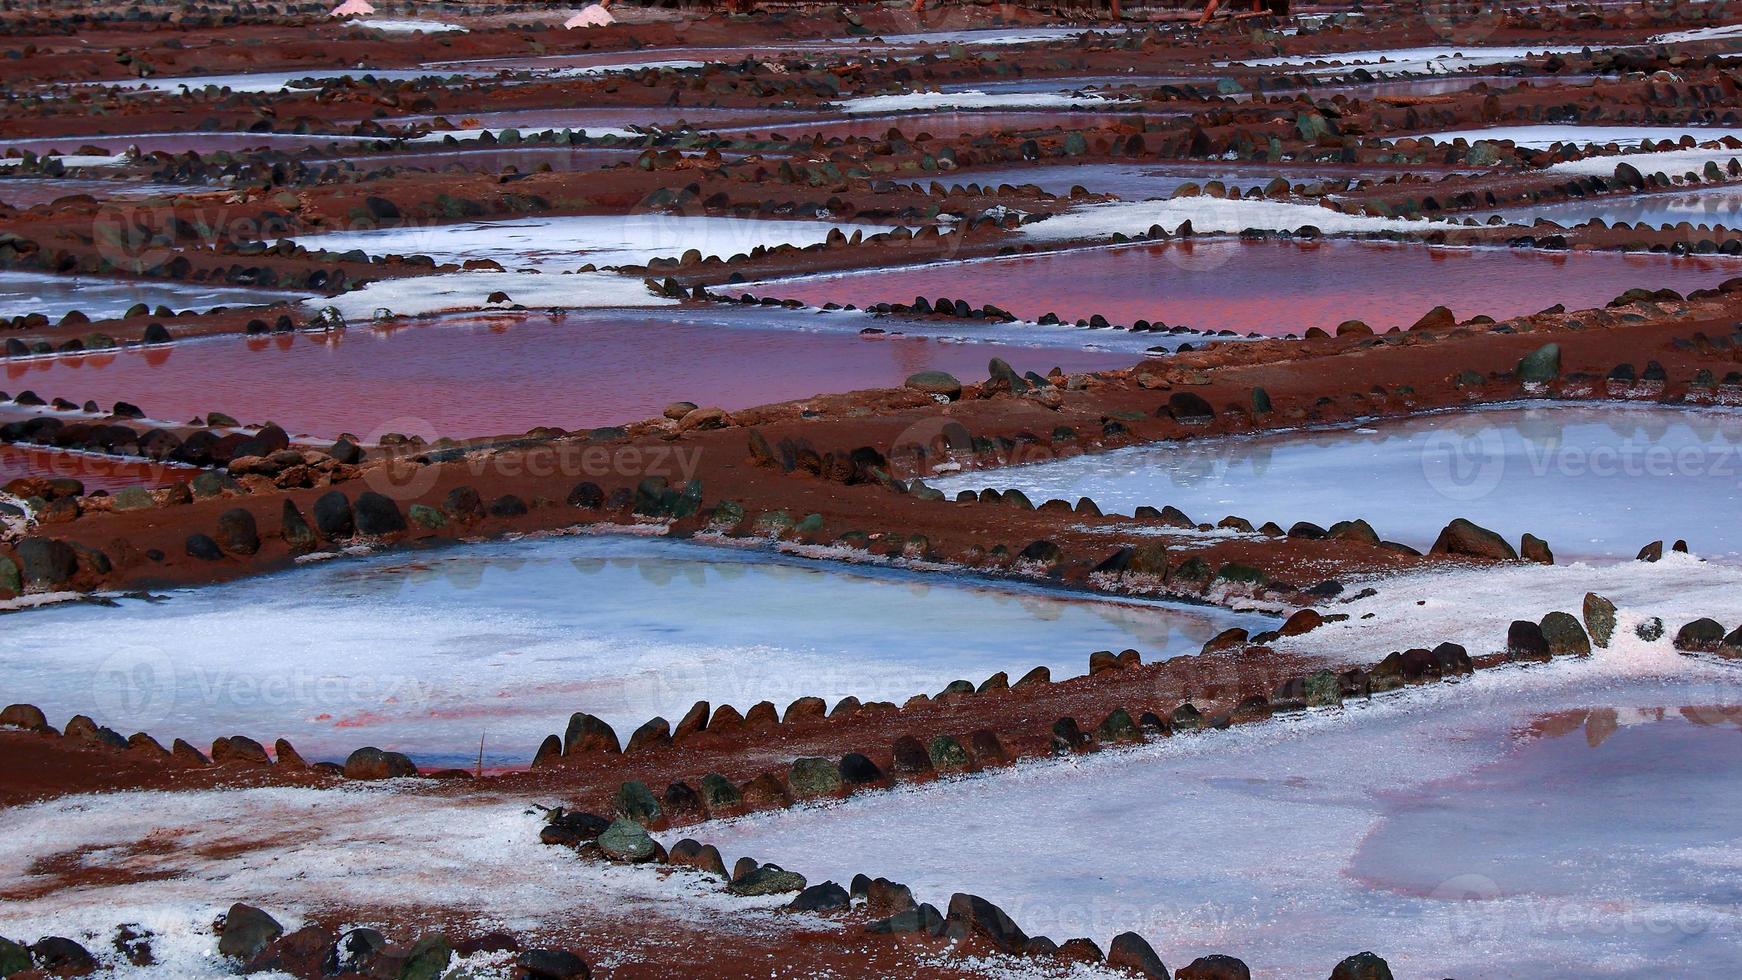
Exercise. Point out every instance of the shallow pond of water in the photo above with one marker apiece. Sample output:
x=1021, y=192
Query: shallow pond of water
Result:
x=1488, y=830
x=525, y=158
x=424, y=654
x=1272, y=288
x=1595, y=482
x=1134, y=182
x=95, y=472
x=501, y=374
x=55, y=296
x=27, y=192
x=1720, y=205
x=176, y=143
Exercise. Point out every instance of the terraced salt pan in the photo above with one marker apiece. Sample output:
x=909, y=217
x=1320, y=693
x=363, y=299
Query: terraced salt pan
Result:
x=1207, y=215
x=1543, y=136
x=425, y=654
x=397, y=25
x=1440, y=605
x=566, y=243
x=275, y=81
x=1675, y=162
x=442, y=135
x=1595, y=482
x=1138, y=182
x=197, y=142
x=26, y=192
x=1273, y=288
x=506, y=373
x=1423, y=60
x=1700, y=34
x=98, y=298
x=1569, y=820
x=973, y=99
x=1709, y=205
x=95, y=472
x=449, y=291
x=300, y=853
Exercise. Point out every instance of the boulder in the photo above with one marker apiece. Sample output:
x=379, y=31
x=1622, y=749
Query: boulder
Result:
x=1540, y=366
x=552, y=964
x=1462, y=537
x=826, y=897
x=626, y=842
x=203, y=547
x=247, y=932
x=1524, y=641
x=1533, y=548
x=813, y=777
x=59, y=956
x=1599, y=618
x=333, y=516
x=370, y=762
x=1216, y=966
x=768, y=879
x=653, y=733
x=237, y=532
x=936, y=383
x=295, y=530
x=634, y=801
x=586, y=733
x=1700, y=636
x=48, y=563
x=981, y=918
x=377, y=515
x=1565, y=636
x=1133, y=954
x=1362, y=966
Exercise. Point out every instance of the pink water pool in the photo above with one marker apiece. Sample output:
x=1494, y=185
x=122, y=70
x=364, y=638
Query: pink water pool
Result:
x=494, y=375
x=95, y=472
x=1272, y=288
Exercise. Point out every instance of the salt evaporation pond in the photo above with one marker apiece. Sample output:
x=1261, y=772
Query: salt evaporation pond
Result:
x=1561, y=822
x=1595, y=482
x=942, y=123
x=1272, y=288
x=506, y=373
x=1719, y=205
x=176, y=143
x=424, y=654
x=55, y=296
x=275, y=81
x=28, y=192
x=566, y=243
x=1138, y=182
x=95, y=472
x=1542, y=136
x=489, y=159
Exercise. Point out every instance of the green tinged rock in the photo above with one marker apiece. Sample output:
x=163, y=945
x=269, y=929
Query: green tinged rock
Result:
x=426, y=516
x=1599, y=618
x=10, y=581
x=1540, y=366
x=627, y=842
